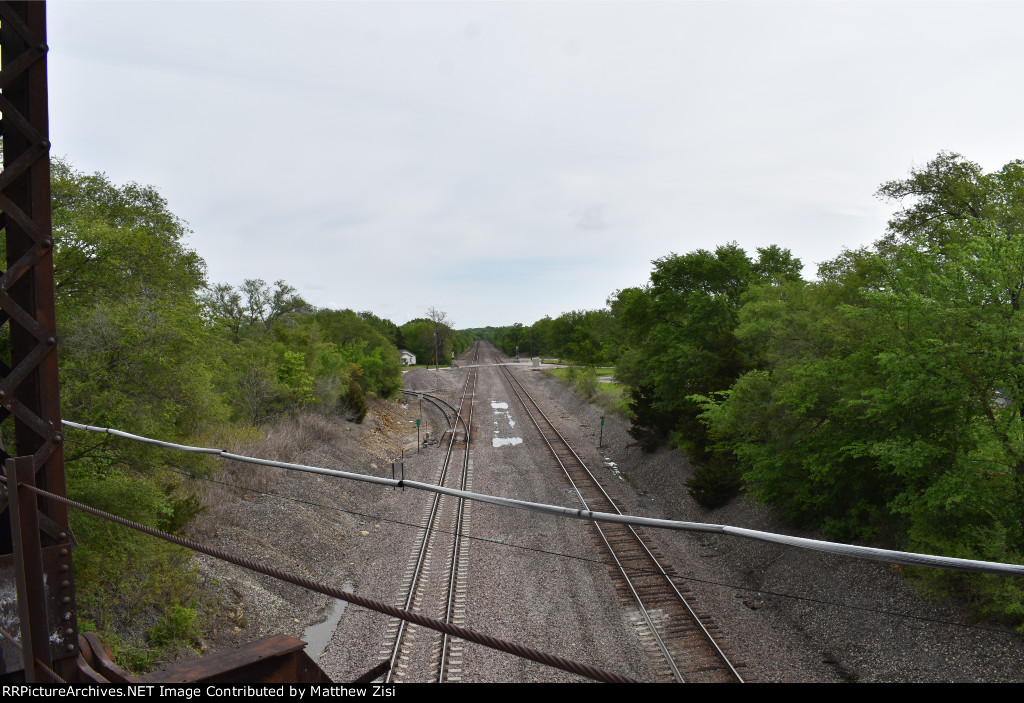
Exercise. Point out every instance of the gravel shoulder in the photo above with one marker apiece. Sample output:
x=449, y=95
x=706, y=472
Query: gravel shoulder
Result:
x=786, y=614
x=793, y=614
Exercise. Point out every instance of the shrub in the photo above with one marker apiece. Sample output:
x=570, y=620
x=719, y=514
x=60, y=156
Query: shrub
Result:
x=586, y=382
x=713, y=484
x=352, y=404
x=179, y=624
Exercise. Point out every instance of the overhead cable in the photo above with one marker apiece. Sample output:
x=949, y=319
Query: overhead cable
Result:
x=872, y=553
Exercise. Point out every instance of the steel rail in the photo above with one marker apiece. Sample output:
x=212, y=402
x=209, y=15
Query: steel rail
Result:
x=629, y=583
x=460, y=513
x=639, y=539
x=513, y=383
x=424, y=543
x=428, y=528
x=434, y=400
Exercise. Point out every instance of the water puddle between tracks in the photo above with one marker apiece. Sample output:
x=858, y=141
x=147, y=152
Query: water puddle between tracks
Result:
x=502, y=441
x=318, y=636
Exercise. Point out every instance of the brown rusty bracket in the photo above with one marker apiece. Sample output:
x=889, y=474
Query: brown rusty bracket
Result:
x=97, y=659
x=28, y=569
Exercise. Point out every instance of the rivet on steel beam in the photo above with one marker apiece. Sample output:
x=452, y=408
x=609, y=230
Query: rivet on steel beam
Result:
x=58, y=438
x=42, y=46
x=2, y=395
x=65, y=584
x=47, y=242
x=51, y=340
x=62, y=535
x=45, y=143
x=63, y=552
x=68, y=631
x=69, y=647
x=63, y=567
x=67, y=617
x=66, y=600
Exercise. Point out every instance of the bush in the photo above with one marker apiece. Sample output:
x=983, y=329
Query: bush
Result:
x=714, y=484
x=650, y=427
x=586, y=382
x=179, y=624
x=127, y=580
x=352, y=404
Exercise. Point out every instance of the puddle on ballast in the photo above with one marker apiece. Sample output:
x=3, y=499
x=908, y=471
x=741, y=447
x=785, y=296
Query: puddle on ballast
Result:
x=502, y=441
x=318, y=636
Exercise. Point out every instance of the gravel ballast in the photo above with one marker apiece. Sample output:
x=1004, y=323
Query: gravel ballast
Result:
x=785, y=614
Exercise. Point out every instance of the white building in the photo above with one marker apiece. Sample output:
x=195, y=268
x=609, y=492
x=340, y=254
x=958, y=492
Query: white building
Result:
x=407, y=357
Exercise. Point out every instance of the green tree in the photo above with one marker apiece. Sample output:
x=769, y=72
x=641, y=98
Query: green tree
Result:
x=128, y=313
x=887, y=403
x=296, y=380
x=443, y=336
x=680, y=332
x=254, y=307
x=135, y=355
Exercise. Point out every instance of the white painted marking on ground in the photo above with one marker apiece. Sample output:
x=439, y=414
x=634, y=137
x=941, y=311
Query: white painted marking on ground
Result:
x=614, y=467
x=501, y=410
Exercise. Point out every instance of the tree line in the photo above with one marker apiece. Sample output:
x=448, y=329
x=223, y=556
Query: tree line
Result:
x=149, y=346
x=880, y=402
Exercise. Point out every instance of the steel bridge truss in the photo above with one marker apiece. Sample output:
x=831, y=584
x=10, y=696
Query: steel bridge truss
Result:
x=35, y=552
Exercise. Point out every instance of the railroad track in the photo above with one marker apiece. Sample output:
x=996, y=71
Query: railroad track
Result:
x=449, y=411
x=420, y=654
x=680, y=646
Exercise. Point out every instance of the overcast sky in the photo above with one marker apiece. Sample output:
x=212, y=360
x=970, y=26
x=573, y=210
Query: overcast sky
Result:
x=504, y=161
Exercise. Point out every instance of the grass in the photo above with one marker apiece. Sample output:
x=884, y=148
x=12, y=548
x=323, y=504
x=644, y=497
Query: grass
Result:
x=613, y=397
x=565, y=375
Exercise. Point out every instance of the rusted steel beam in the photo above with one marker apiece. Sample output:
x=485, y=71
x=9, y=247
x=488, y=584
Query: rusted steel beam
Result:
x=274, y=659
x=29, y=389
x=33, y=622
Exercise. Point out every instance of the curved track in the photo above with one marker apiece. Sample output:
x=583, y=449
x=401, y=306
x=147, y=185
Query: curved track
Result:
x=441, y=404
x=681, y=647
